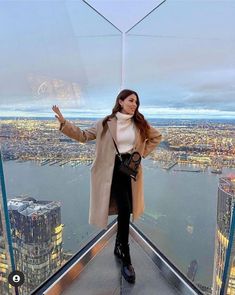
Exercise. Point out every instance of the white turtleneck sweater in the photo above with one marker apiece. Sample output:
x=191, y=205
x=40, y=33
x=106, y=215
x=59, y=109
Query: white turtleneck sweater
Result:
x=125, y=132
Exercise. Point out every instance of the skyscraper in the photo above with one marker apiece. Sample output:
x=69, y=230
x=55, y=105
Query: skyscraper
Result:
x=37, y=239
x=5, y=262
x=6, y=252
x=224, y=259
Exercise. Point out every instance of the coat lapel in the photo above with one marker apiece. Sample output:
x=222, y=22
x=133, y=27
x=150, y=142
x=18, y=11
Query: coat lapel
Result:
x=112, y=125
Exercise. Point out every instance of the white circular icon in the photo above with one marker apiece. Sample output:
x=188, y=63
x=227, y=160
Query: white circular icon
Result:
x=16, y=278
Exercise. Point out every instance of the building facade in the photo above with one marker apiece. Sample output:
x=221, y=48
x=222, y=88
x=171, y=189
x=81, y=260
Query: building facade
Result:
x=224, y=259
x=37, y=239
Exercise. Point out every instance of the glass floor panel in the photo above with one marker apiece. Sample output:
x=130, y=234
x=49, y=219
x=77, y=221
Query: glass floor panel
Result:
x=102, y=275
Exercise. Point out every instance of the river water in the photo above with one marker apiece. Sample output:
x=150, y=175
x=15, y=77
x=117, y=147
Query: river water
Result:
x=182, y=204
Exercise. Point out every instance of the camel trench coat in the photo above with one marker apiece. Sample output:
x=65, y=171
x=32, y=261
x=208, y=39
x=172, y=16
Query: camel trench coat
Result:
x=101, y=203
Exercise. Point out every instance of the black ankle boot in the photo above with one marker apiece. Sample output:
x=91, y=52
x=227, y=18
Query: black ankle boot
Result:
x=128, y=271
x=117, y=249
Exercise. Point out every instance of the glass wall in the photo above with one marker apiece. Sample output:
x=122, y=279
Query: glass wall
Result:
x=52, y=53
x=180, y=60
x=6, y=249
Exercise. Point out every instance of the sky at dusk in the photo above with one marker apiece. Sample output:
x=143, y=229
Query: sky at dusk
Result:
x=180, y=58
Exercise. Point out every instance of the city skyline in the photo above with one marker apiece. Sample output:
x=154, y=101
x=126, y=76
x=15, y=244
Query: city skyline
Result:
x=191, y=154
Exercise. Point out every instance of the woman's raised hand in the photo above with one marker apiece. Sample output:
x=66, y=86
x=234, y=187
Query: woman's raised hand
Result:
x=59, y=116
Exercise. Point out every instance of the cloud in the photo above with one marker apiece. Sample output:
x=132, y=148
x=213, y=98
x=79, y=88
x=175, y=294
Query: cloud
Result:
x=221, y=97
x=186, y=113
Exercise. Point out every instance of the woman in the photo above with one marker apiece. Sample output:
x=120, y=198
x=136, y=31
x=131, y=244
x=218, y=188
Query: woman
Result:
x=113, y=192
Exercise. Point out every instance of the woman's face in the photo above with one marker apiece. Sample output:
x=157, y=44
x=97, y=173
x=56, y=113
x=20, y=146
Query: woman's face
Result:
x=129, y=104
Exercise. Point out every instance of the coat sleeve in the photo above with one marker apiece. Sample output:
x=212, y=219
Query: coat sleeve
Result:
x=153, y=140
x=76, y=133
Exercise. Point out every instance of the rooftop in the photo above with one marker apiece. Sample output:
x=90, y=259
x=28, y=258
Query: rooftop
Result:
x=29, y=206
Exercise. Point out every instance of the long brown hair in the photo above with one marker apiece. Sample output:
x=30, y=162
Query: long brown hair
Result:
x=139, y=119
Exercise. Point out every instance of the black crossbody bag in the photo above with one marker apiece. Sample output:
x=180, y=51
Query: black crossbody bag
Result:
x=129, y=166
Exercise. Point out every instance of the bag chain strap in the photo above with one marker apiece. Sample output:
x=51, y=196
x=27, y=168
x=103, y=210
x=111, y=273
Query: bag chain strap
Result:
x=119, y=155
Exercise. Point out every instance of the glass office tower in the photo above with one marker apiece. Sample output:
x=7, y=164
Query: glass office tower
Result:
x=224, y=262
x=37, y=239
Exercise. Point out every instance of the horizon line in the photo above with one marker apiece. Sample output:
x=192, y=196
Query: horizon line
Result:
x=149, y=117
